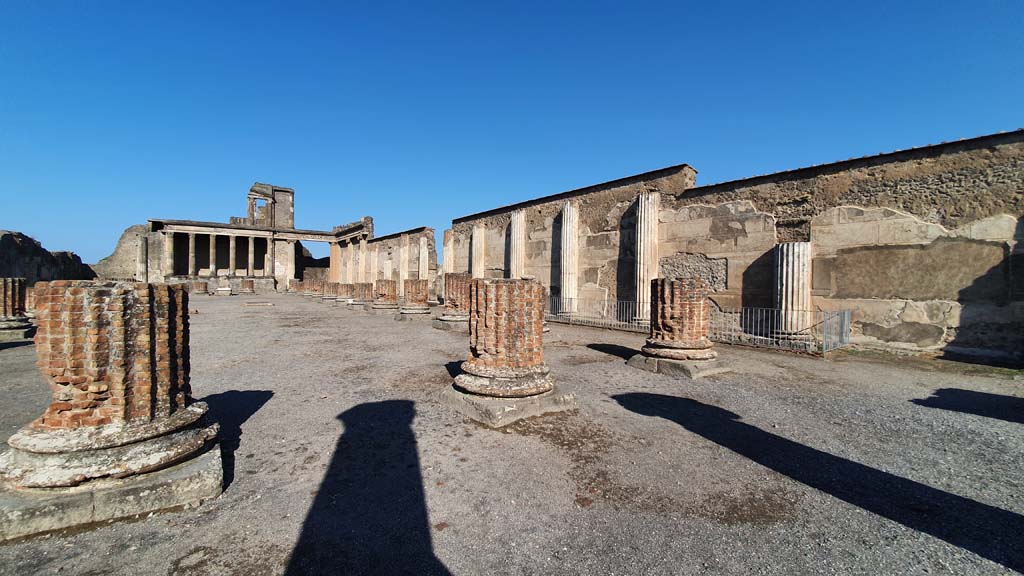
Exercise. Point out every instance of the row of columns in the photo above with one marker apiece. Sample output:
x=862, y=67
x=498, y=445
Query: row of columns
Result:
x=362, y=262
x=192, y=269
x=792, y=288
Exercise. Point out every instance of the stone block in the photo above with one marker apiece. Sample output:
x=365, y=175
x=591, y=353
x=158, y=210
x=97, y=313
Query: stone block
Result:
x=498, y=412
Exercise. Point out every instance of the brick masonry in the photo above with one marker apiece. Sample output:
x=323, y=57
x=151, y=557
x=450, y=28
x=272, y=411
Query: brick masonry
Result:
x=506, y=324
x=386, y=292
x=416, y=293
x=12, y=297
x=456, y=294
x=362, y=291
x=112, y=352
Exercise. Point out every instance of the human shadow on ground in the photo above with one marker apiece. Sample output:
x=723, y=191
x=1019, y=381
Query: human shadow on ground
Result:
x=369, y=515
x=623, y=352
x=987, y=531
x=1009, y=408
x=231, y=409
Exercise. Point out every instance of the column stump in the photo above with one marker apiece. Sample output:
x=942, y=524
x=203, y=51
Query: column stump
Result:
x=123, y=435
x=248, y=286
x=505, y=378
x=455, y=316
x=415, y=306
x=362, y=295
x=678, y=344
x=385, y=297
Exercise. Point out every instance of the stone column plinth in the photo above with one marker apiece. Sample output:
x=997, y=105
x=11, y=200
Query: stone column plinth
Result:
x=455, y=316
x=248, y=286
x=478, y=252
x=678, y=342
x=122, y=422
x=14, y=321
x=517, y=244
x=416, y=294
x=505, y=377
x=569, y=263
x=385, y=296
x=793, y=290
x=362, y=294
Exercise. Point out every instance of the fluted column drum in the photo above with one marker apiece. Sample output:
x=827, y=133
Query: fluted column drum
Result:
x=793, y=288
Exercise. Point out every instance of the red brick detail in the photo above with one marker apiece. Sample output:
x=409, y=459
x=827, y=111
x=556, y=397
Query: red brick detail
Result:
x=417, y=292
x=506, y=322
x=112, y=352
x=456, y=293
x=679, y=312
x=12, y=297
x=362, y=291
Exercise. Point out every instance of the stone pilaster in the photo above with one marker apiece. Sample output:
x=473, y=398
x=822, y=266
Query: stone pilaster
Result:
x=448, y=252
x=231, y=255
x=478, y=252
x=517, y=244
x=569, y=257
x=646, y=248
x=250, y=262
x=505, y=377
x=116, y=358
x=142, y=259
x=423, y=268
x=213, y=255
x=193, y=265
x=403, y=264
x=793, y=288
x=168, y=238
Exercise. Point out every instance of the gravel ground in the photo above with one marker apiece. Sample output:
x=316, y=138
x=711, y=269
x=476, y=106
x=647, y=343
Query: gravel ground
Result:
x=342, y=459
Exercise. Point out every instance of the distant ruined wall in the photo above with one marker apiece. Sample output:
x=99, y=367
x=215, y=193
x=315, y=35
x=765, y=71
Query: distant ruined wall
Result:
x=22, y=256
x=924, y=245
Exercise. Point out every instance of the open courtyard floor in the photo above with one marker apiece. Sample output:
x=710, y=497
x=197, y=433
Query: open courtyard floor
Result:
x=341, y=457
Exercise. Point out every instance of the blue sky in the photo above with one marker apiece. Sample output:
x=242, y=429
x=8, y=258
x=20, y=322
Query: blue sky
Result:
x=416, y=113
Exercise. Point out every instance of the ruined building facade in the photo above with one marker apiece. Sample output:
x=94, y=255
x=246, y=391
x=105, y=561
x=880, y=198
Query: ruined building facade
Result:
x=923, y=245
x=265, y=247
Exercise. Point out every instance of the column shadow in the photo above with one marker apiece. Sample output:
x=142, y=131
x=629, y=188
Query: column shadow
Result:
x=369, y=515
x=998, y=406
x=623, y=352
x=231, y=409
x=987, y=531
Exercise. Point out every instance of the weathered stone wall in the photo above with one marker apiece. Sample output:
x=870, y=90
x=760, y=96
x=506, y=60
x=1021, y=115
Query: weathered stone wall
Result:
x=315, y=273
x=607, y=224
x=22, y=256
x=924, y=245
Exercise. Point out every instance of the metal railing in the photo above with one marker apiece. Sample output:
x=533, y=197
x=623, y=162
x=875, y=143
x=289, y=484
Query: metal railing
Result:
x=814, y=331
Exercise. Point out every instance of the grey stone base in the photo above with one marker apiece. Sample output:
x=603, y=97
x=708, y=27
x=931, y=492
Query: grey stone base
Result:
x=461, y=326
x=11, y=334
x=24, y=512
x=499, y=412
x=692, y=369
x=378, y=309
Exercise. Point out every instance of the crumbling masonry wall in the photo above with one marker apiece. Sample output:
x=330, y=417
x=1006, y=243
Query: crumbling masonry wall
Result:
x=924, y=245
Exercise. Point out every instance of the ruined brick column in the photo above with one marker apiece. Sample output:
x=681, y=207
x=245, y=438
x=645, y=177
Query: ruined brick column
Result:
x=330, y=292
x=385, y=296
x=362, y=294
x=793, y=289
x=517, y=246
x=678, y=342
x=307, y=287
x=248, y=286
x=14, y=321
x=505, y=377
x=455, y=316
x=569, y=257
x=416, y=294
x=294, y=286
x=344, y=294
x=200, y=287
x=116, y=357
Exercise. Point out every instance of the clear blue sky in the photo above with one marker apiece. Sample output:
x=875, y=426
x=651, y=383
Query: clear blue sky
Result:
x=415, y=113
